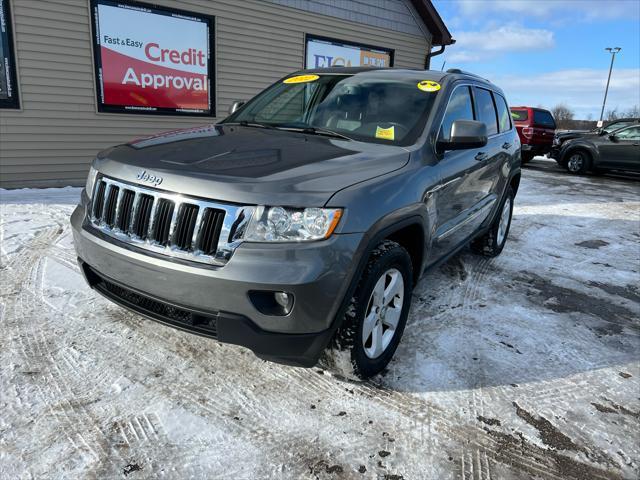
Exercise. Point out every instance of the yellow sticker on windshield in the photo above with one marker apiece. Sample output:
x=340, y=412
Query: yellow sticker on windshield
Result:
x=385, y=133
x=428, y=86
x=302, y=79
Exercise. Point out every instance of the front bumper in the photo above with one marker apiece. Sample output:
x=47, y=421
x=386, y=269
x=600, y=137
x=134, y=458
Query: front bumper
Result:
x=317, y=274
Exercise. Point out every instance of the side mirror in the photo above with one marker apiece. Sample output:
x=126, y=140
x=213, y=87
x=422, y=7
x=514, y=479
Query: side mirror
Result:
x=613, y=138
x=235, y=106
x=465, y=134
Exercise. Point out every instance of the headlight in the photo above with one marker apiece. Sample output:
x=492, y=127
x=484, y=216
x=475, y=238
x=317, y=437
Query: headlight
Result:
x=91, y=180
x=279, y=224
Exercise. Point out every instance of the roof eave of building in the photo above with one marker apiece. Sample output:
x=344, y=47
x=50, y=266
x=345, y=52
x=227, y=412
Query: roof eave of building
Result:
x=432, y=19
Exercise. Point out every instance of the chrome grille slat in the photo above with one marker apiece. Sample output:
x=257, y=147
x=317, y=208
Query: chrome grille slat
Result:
x=116, y=215
x=187, y=228
x=107, y=192
x=173, y=222
x=125, y=210
x=197, y=228
x=134, y=212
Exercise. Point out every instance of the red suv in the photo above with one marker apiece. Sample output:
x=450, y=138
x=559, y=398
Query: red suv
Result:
x=536, y=129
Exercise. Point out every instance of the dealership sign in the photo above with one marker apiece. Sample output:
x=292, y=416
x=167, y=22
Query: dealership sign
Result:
x=152, y=60
x=8, y=84
x=322, y=52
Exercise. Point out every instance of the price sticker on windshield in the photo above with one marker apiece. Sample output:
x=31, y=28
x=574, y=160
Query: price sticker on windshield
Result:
x=428, y=86
x=302, y=79
x=385, y=133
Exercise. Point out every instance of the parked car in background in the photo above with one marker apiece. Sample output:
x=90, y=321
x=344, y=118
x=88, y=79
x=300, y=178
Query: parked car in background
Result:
x=298, y=226
x=560, y=138
x=619, y=150
x=536, y=129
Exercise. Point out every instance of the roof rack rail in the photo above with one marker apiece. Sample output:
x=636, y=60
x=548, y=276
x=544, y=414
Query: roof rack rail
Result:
x=457, y=70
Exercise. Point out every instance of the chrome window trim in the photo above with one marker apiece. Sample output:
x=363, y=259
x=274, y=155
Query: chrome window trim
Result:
x=235, y=217
x=473, y=85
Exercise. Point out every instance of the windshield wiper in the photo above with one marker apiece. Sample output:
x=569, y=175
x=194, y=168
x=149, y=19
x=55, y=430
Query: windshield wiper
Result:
x=245, y=123
x=315, y=131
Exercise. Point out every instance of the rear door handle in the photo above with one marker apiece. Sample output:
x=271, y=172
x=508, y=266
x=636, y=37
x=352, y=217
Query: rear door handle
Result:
x=481, y=156
x=506, y=146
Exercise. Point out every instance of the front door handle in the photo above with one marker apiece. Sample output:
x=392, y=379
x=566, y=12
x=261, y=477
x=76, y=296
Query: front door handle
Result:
x=481, y=156
x=506, y=146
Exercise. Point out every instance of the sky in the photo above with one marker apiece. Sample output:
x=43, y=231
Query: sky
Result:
x=547, y=52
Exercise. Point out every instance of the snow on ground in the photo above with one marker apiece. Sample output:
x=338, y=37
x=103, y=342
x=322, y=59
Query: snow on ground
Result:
x=524, y=366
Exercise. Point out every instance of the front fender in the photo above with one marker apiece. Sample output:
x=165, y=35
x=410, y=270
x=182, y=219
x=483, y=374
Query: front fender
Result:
x=568, y=147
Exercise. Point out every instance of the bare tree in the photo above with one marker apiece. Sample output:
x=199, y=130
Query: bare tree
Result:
x=563, y=115
x=612, y=114
x=633, y=112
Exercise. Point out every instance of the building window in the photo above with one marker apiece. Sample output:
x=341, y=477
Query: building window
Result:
x=152, y=60
x=8, y=76
x=322, y=52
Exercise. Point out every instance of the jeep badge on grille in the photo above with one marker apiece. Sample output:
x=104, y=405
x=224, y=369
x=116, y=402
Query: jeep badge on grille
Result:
x=149, y=178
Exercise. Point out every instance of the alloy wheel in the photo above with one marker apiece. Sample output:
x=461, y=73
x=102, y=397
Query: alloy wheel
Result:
x=574, y=165
x=505, y=216
x=383, y=313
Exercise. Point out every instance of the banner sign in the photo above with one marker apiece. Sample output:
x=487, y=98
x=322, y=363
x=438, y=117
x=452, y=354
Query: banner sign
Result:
x=152, y=60
x=322, y=52
x=8, y=76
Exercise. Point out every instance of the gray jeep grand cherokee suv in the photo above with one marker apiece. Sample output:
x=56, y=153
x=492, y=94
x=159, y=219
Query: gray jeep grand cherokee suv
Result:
x=298, y=226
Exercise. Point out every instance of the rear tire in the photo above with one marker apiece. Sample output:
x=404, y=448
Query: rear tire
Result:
x=577, y=162
x=376, y=316
x=491, y=243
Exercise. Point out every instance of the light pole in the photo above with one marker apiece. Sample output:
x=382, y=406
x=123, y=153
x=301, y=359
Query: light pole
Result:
x=613, y=52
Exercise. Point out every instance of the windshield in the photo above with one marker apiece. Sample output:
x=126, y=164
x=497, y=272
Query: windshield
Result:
x=365, y=107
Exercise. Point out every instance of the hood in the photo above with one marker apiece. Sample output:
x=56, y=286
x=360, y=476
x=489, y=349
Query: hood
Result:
x=250, y=165
x=563, y=137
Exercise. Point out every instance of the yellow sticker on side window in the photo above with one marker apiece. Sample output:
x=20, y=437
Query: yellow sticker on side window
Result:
x=302, y=79
x=428, y=86
x=385, y=133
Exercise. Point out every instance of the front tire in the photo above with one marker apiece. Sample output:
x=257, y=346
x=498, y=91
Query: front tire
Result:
x=577, y=162
x=491, y=243
x=376, y=316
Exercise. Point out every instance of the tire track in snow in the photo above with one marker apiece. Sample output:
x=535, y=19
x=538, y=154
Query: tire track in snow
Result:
x=39, y=345
x=27, y=271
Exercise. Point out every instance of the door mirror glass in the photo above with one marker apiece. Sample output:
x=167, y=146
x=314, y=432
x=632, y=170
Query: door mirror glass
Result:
x=235, y=106
x=465, y=134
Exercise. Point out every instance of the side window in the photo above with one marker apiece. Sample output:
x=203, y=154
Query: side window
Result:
x=486, y=110
x=504, y=118
x=632, y=133
x=460, y=107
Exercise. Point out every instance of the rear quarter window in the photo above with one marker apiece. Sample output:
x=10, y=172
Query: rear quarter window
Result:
x=487, y=110
x=519, y=115
x=543, y=118
x=504, y=119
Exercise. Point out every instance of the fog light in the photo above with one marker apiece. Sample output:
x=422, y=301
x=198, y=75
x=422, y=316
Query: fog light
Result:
x=283, y=299
x=272, y=303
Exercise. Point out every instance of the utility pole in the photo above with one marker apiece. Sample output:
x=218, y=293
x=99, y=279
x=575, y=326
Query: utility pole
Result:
x=613, y=52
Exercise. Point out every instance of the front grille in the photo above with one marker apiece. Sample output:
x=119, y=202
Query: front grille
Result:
x=167, y=223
